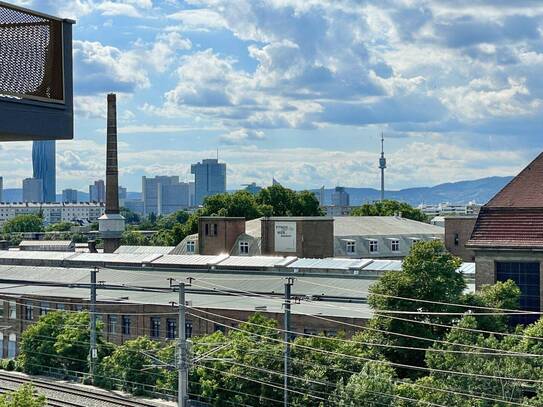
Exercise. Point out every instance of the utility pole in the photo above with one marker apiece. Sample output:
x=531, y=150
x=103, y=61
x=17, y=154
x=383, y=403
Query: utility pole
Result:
x=183, y=357
x=93, y=351
x=288, y=285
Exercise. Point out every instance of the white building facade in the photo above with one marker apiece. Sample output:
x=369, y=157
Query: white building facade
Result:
x=83, y=212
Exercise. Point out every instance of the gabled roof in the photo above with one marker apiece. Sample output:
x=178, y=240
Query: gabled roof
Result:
x=513, y=218
x=523, y=191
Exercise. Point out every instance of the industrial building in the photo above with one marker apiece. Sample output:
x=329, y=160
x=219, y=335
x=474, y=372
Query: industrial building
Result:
x=82, y=212
x=388, y=237
x=224, y=291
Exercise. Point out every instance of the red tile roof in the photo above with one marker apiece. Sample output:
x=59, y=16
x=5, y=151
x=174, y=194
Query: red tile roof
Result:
x=523, y=191
x=508, y=228
x=514, y=217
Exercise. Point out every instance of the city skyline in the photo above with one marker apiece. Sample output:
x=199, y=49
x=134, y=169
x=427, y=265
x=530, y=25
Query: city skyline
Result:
x=290, y=102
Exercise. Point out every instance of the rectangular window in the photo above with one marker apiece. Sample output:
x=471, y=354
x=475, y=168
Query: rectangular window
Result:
x=1, y=309
x=155, y=327
x=191, y=246
x=220, y=328
x=171, y=328
x=215, y=229
x=188, y=329
x=243, y=247
x=60, y=306
x=126, y=325
x=12, y=310
x=351, y=247
x=207, y=229
x=28, y=311
x=374, y=246
x=395, y=245
x=44, y=308
x=112, y=324
x=526, y=277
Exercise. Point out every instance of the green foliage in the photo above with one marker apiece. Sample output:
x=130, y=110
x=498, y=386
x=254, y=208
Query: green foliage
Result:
x=24, y=396
x=280, y=201
x=133, y=238
x=240, y=203
x=24, y=223
x=62, y=226
x=131, y=218
x=390, y=208
x=129, y=367
x=372, y=387
x=59, y=339
x=428, y=274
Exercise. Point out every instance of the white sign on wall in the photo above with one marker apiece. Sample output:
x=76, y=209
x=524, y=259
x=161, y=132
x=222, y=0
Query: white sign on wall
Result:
x=285, y=237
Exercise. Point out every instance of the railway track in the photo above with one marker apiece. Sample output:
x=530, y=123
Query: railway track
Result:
x=64, y=389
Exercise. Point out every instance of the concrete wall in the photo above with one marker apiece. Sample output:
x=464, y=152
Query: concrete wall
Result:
x=458, y=230
x=228, y=230
x=314, y=237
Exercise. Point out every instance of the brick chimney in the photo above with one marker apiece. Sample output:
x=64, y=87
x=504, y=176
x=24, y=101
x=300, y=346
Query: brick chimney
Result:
x=111, y=224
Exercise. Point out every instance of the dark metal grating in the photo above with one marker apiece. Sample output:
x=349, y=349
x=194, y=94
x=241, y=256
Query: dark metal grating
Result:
x=31, y=64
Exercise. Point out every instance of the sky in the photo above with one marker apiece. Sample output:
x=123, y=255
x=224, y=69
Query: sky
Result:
x=300, y=90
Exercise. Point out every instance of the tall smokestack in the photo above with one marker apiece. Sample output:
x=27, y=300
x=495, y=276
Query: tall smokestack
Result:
x=112, y=165
x=111, y=224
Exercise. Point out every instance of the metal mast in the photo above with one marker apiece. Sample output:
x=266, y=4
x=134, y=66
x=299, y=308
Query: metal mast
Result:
x=382, y=166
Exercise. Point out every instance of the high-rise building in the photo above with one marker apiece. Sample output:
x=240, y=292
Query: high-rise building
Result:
x=209, y=178
x=163, y=195
x=192, y=194
x=69, y=195
x=252, y=188
x=32, y=190
x=97, y=191
x=44, y=167
x=1, y=189
x=340, y=197
x=123, y=193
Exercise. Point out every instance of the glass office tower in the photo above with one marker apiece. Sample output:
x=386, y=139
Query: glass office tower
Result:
x=44, y=166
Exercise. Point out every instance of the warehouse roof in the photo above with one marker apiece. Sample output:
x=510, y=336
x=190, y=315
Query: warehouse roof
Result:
x=144, y=249
x=382, y=226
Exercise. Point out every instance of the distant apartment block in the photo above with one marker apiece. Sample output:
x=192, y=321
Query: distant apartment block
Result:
x=340, y=197
x=252, y=188
x=209, y=179
x=134, y=205
x=339, y=210
x=70, y=195
x=32, y=190
x=83, y=212
x=97, y=191
x=448, y=209
x=163, y=195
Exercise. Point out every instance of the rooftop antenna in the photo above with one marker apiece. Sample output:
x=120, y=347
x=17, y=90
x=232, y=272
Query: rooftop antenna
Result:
x=382, y=166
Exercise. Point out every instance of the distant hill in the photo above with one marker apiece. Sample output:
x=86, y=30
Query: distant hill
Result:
x=461, y=192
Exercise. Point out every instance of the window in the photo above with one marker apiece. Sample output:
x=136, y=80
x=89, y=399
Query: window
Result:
x=12, y=346
x=171, y=328
x=155, y=327
x=395, y=245
x=112, y=324
x=456, y=239
x=28, y=311
x=1, y=309
x=243, y=247
x=79, y=307
x=351, y=247
x=12, y=310
x=61, y=307
x=215, y=229
x=374, y=246
x=526, y=276
x=207, y=229
x=191, y=246
x=44, y=308
x=220, y=328
x=126, y=325
x=188, y=329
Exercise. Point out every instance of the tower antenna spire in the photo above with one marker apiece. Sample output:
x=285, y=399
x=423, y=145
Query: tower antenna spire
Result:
x=382, y=166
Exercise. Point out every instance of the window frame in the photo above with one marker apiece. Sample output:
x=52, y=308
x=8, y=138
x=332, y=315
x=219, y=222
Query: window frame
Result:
x=395, y=245
x=126, y=324
x=244, y=247
x=373, y=246
x=350, y=247
x=171, y=328
x=154, y=329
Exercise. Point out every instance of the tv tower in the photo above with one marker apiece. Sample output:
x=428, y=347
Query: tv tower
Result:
x=382, y=166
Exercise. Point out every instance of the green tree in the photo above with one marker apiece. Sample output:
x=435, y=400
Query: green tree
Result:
x=240, y=203
x=24, y=396
x=131, y=218
x=133, y=238
x=24, y=223
x=282, y=201
x=428, y=274
x=129, y=367
x=372, y=387
x=390, y=208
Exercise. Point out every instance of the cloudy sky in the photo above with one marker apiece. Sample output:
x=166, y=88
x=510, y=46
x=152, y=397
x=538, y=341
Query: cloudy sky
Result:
x=300, y=90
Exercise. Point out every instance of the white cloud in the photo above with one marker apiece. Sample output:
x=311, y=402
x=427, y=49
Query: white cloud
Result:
x=199, y=19
x=242, y=136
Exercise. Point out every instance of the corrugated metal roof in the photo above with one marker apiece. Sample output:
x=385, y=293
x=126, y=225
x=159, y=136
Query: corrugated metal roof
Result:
x=113, y=258
x=144, y=249
x=188, y=260
x=34, y=255
x=255, y=261
x=328, y=264
x=384, y=265
x=382, y=226
x=30, y=243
